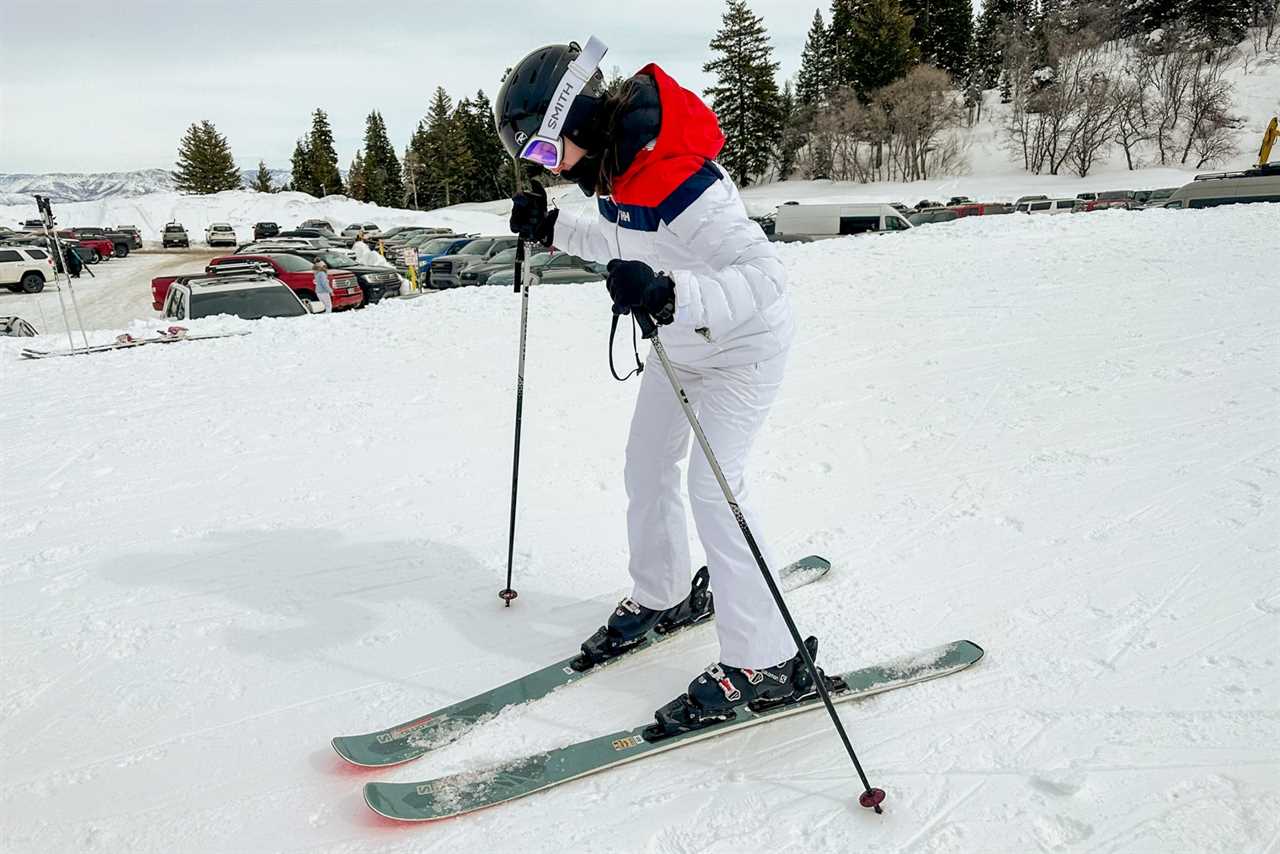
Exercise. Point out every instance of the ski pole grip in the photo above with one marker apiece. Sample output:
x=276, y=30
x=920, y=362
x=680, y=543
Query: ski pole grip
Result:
x=648, y=328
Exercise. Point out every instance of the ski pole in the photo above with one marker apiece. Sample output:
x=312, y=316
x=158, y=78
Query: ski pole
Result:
x=521, y=287
x=870, y=798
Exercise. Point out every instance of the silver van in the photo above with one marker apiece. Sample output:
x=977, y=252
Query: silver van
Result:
x=1261, y=184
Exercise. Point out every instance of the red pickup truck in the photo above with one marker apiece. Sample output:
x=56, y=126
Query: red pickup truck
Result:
x=293, y=270
x=91, y=249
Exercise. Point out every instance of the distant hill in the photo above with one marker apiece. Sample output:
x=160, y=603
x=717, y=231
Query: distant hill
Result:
x=89, y=187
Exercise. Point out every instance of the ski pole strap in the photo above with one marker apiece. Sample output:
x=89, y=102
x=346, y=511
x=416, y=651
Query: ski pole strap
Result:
x=635, y=347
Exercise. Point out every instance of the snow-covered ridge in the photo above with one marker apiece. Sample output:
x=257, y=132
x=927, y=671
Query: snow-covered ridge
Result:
x=91, y=186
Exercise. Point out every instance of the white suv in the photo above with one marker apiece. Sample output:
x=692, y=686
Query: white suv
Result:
x=368, y=229
x=248, y=296
x=25, y=268
x=220, y=233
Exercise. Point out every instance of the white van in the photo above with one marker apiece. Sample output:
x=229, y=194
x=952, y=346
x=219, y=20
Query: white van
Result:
x=25, y=269
x=1046, y=206
x=1261, y=184
x=802, y=222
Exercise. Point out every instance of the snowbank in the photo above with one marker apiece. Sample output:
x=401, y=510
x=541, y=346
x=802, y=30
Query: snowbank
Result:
x=1056, y=436
x=242, y=208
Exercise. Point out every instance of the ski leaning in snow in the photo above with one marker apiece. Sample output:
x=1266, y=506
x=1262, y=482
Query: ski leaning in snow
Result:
x=413, y=738
x=125, y=342
x=461, y=793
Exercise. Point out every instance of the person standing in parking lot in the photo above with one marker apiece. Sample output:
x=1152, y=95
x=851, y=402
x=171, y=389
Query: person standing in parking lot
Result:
x=323, y=292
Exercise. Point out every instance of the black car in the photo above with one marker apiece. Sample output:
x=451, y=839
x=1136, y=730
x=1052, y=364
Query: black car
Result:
x=135, y=236
x=375, y=282
x=265, y=229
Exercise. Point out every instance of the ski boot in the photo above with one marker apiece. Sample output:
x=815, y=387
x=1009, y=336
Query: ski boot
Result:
x=720, y=690
x=630, y=623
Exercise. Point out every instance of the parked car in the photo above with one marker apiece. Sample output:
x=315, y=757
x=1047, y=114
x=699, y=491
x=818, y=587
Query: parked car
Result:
x=220, y=234
x=251, y=297
x=1047, y=206
x=553, y=268
x=16, y=327
x=1086, y=197
x=296, y=272
x=321, y=225
x=262, y=230
x=820, y=221
x=980, y=209
x=445, y=268
x=929, y=216
x=312, y=234
x=432, y=247
x=959, y=200
x=91, y=249
x=1022, y=199
x=368, y=229
x=478, y=274
x=1123, y=199
x=284, y=240
x=120, y=242
x=135, y=236
x=293, y=270
x=1157, y=198
x=174, y=235
x=1260, y=184
x=25, y=268
x=376, y=283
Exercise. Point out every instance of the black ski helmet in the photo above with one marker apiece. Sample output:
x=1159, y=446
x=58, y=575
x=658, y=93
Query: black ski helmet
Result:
x=527, y=90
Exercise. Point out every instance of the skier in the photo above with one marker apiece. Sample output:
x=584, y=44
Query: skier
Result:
x=678, y=244
x=74, y=264
x=321, y=278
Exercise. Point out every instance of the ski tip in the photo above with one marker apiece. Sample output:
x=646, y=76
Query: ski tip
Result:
x=978, y=651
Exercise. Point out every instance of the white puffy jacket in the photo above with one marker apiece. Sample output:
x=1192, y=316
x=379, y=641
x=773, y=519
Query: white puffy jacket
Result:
x=731, y=301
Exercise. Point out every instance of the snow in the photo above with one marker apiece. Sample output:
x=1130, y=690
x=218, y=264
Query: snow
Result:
x=242, y=208
x=1056, y=436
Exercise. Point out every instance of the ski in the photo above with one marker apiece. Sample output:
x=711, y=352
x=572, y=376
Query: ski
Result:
x=126, y=342
x=456, y=794
x=411, y=739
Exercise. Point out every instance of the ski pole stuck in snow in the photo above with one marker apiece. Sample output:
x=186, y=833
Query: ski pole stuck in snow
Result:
x=870, y=798
x=508, y=593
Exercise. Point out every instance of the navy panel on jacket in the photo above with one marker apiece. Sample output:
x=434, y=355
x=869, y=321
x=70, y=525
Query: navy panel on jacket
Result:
x=642, y=218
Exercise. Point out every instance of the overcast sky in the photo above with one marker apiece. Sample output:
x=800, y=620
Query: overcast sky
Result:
x=116, y=84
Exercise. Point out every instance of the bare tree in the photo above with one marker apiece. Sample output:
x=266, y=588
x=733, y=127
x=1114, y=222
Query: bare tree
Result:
x=921, y=111
x=1132, y=125
x=1167, y=78
x=1209, y=122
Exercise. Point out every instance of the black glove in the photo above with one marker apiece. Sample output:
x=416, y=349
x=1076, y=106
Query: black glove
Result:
x=529, y=215
x=633, y=284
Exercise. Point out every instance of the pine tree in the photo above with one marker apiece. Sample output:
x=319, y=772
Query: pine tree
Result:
x=813, y=82
x=302, y=180
x=1219, y=22
x=205, y=164
x=262, y=181
x=325, y=176
x=745, y=95
x=358, y=179
x=381, y=167
x=880, y=48
x=942, y=29
x=792, y=138
x=489, y=175
x=442, y=159
x=1003, y=24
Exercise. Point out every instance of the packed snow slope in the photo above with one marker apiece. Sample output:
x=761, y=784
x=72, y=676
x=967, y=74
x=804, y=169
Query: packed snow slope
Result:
x=1055, y=436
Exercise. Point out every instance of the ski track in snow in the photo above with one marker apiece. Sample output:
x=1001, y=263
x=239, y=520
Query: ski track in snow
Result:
x=1059, y=437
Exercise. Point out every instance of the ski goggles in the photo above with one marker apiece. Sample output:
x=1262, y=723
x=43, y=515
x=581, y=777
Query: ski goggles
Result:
x=546, y=147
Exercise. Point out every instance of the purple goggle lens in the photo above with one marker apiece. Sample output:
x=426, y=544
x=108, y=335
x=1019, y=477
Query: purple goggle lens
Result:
x=542, y=152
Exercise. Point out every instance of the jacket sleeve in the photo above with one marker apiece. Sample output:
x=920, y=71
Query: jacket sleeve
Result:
x=743, y=275
x=580, y=231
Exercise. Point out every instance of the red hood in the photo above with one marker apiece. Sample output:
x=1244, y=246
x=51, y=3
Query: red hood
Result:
x=688, y=137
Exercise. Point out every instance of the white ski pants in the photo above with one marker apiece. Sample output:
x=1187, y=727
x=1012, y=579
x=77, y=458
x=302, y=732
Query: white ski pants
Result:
x=731, y=405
